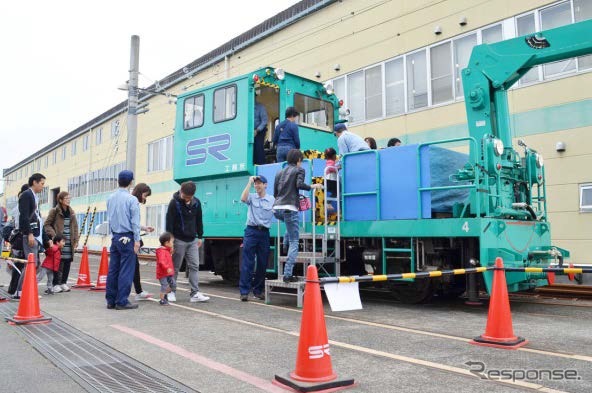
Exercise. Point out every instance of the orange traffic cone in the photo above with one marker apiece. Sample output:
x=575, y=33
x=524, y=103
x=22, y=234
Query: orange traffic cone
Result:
x=28, y=310
x=103, y=271
x=83, y=273
x=313, y=371
x=499, y=332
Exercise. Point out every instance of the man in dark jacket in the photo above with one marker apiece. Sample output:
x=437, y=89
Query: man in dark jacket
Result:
x=184, y=221
x=29, y=221
x=286, y=135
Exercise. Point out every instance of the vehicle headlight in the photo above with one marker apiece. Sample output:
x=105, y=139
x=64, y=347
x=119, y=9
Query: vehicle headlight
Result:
x=279, y=73
x=498, y=147
x=539, y=160
x=329, y=88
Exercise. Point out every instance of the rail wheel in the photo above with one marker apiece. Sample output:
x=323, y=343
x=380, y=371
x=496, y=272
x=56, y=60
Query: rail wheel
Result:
x=419, y=291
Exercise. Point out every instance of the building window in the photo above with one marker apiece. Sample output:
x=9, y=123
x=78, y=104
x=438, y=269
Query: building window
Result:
x=64, y=153
x=160, y=154
x=462, y=53
x=44, y=195
x=373, y=89
x=194, y=112
x=99, y=136
x=85, y=142
x=114, y=129
x=46, y=161
x=492, y=34
x=441, y=69
x=394, y=81
x=417, y=86
x=586, y=197
x=55, y=157
x=339, y=87
x=314, y=112
x=355, y=96
x=583, y=11
x=224, y=103
x=74, y=147
x=552, y=17
x=155, y=217
x=526, y=25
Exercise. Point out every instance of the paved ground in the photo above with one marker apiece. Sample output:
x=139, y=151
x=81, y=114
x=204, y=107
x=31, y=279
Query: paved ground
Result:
x=229, y=346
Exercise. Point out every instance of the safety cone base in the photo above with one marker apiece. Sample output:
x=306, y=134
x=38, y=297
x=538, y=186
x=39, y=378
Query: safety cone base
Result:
x=81, y=286
x=517, y=342
x=97, y=289
x=288, y=383
x=14, y=321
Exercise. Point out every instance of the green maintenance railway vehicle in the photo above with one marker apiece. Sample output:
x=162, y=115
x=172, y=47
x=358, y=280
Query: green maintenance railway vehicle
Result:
x=401, y=209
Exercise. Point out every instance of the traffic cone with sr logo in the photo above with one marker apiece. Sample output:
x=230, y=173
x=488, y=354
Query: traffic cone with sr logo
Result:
x=499, y=332
x=314, y=372
x=28, y=310
x=103, y=271
x=84, y=272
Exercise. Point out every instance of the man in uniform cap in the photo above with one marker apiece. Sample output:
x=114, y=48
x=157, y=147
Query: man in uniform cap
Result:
x=256, y=239
x=348, y=142
x=123, y=212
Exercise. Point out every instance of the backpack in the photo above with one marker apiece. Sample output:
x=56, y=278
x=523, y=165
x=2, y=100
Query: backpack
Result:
x=7, y=231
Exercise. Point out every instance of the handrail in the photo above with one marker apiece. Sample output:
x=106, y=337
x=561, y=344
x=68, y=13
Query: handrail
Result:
x=475, y=185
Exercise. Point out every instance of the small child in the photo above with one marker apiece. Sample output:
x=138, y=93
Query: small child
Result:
x=165, y=271
x=331, y=176
x=51, y=263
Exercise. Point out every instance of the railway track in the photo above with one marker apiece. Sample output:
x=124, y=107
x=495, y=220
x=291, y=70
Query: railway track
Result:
x=566, y=291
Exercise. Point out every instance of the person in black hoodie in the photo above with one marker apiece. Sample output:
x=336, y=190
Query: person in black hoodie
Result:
x=184, y=221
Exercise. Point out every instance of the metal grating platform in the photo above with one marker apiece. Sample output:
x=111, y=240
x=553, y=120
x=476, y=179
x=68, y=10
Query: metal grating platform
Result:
x=96, y=367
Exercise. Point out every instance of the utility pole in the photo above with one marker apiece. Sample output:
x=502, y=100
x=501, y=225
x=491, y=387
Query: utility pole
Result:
x=132, y=104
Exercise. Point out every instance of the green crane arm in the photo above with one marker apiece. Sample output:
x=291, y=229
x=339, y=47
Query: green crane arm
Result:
x=494, y=68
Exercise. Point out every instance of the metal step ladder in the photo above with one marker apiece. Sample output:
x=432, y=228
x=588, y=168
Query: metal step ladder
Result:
x=329, y=253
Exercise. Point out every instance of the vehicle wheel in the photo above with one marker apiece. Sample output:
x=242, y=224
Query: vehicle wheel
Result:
x=419, y=291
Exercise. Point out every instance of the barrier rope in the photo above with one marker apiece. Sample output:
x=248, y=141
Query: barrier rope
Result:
x=92, y=221
x=440, y=273
x=84, y=221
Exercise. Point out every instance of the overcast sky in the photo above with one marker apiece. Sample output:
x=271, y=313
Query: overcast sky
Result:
x=61, y=61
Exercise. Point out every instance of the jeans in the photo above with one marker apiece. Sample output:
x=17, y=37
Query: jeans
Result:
x=282, y=152
x=121, y=269
x=259, y=148
x=28, y=250
x=290, y=219
x=46, y=272
x=166, y=283
x=190, y=252
x=255, y=243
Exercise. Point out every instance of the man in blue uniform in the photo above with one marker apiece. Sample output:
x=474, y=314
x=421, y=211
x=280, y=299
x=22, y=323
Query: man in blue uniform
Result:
x=260, y=132
x=123, y=212
x=256, y=239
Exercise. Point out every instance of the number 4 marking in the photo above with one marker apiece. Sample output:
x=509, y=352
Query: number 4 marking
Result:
x=465, y=227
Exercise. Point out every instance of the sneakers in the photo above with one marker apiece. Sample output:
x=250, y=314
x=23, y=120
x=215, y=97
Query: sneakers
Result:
x=171, y=297
x=128, y=306
x=163, y=302
x=244, y=298
x=57, y=289
x=65, y=288
x=143, y=296
x=198, y=297
x=290, y=279
x=259, y=296
x=49, y=291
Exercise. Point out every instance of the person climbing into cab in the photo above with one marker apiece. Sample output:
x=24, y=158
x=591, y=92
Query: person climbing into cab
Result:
x=286, y=136
x=260, y=131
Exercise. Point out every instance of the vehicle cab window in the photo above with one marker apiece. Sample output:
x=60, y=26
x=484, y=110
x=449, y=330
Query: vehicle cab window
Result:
x=225, y=103
x=314, y=113
x=193, y=112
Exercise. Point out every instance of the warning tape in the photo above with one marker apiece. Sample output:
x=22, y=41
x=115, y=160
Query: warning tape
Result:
x=440, y=273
